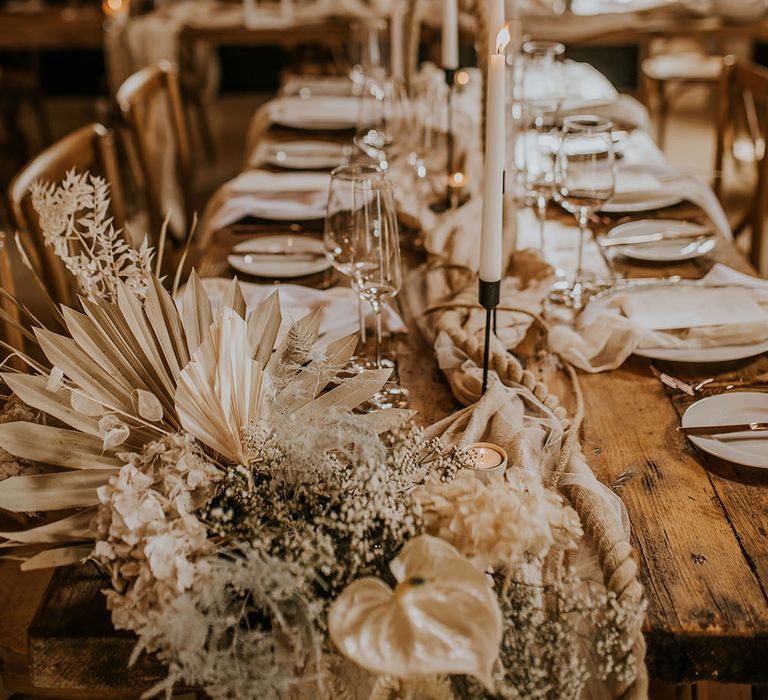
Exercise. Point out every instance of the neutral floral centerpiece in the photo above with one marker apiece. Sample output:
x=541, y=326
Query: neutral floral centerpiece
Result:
x=259, y=535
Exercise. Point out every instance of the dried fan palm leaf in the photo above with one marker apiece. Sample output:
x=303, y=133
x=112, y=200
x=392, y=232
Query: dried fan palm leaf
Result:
x=220, y=390
x=263, y=327
x=196, y=313
x=60, y=556
x=75, y=527
x=233, y=298
x=55, y=446
x=59, y=491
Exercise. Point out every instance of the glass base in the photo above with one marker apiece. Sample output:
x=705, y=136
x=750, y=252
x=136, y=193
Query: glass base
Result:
x=576, y=295
x=391, y=396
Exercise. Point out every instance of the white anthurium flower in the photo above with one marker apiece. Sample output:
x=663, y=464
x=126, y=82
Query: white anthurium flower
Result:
x=442, y=617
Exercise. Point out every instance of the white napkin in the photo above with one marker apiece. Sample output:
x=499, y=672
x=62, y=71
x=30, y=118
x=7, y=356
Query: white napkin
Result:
x=339, y=305
x=327, y=111
x=294, y=196
x=636, y=181
x=604, y=338
x=261, y=181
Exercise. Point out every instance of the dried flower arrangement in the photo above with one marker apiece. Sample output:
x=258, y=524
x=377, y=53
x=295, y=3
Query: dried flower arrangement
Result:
x=260, y=536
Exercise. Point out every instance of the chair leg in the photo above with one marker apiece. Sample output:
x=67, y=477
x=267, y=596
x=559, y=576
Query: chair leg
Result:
x=760, y=692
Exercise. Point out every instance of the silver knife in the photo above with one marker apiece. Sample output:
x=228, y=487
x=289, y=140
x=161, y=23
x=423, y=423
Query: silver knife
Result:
x=653, y=237
x=722, y=429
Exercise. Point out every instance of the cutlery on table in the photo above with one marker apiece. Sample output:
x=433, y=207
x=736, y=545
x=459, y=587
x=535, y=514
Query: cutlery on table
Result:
x=643, y=238
x=755, y=426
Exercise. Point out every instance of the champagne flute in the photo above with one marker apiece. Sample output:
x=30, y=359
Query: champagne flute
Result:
x=377, y=273
x=339, y=231
x=585, y=181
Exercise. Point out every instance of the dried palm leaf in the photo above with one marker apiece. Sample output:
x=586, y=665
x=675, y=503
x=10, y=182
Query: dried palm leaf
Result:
x=60, y=556
x=74, y=528
x=58, y=491
x=220, y=390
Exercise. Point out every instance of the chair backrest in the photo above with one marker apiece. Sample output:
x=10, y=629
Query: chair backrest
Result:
x=743, y=101
x=91, y=148
x=11, y=318
x=151, y=105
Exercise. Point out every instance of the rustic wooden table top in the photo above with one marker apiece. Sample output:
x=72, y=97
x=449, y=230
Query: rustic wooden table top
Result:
x=698, y=525
x=54, y=27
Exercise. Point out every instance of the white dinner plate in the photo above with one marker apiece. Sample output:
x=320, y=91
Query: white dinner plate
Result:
x=662, y=251
x=261, y=256
x=305, y=155
x=724, y=353
x=640, y=201
x=749, y=449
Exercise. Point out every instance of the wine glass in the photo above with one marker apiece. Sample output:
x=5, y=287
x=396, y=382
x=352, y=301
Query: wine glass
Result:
x=367, y=53
x=540, y=144
x=542, y=84
x=375, y=259
x=339, y=231
x=585, y=181
x=384, y=116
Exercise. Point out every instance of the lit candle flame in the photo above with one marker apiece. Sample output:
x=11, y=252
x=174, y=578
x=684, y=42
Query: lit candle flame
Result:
x=457, y=179
x=502, y=39
x=114, y=7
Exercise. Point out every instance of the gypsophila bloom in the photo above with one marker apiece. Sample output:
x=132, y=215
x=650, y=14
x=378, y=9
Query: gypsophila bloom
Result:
x=502, y=523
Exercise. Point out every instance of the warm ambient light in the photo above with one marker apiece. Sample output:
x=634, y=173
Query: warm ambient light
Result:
x=115, y=7
x=462, y=78
x=502, y=39
x=457, y=179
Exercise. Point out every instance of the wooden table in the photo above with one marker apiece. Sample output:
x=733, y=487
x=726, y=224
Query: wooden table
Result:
x=52, y=28
x=699, y=526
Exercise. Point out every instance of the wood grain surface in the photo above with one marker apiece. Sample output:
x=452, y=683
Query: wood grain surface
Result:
x=698, y=526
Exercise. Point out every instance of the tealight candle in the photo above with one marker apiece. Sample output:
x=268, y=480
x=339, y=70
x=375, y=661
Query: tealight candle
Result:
x=489, y=460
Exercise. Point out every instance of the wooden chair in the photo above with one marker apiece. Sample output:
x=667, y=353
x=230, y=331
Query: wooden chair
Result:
x=92, y=148
x=743, y=101
x=137, y=97
x=671, y=70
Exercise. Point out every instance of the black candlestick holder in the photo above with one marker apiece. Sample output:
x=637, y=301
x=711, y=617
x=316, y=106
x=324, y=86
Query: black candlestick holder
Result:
x=490, y=293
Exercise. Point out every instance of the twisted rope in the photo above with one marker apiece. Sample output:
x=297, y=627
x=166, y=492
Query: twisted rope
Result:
x=614, y=552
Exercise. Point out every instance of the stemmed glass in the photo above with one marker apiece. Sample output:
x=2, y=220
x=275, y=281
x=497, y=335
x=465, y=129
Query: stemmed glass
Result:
x=540, y=145
x=367, y=53
x=384, y=116
x=375, y=257
x=339, y=231
x=585, y=181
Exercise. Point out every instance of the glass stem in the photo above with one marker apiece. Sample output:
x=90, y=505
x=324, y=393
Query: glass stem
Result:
x=361, y=318
x=377, y=312
x=541, y=212
x=580, y=258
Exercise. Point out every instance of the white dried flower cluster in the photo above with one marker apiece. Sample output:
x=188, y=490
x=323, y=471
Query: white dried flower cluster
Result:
x=148, y=536
x=555, y=638
x=502, y=523
x=242, y=630
x=74, y=218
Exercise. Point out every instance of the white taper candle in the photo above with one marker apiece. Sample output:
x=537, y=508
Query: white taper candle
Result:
x=495, y=149
x=496, y=16
x=450, y=38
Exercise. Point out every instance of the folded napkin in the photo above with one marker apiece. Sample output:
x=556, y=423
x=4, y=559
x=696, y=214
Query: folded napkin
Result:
x=289, y=196
x=325, y=111
x=339, y=315
x=603, y=337
x=263, y=181
x=636, y=181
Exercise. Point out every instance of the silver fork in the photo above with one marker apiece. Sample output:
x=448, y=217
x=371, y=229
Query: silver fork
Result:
x=708, y=384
